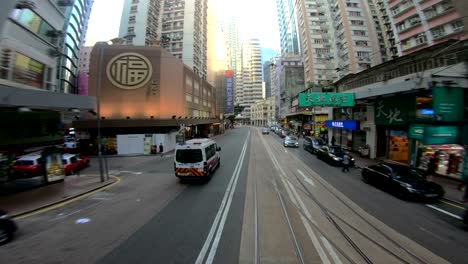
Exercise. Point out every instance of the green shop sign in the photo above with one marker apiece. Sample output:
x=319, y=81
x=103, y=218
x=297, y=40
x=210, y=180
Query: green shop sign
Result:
x=326, y=99
x=448, y=103
x=416, y=131
x=394, y=110
x=436, y=135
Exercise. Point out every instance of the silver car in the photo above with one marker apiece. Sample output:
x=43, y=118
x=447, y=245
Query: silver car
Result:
x=291, y=141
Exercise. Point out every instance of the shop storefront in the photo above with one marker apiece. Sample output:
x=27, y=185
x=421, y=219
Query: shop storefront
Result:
x=439, y=142
x=342, y=130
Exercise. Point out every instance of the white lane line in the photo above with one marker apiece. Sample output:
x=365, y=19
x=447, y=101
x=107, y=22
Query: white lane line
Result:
x=330, y=249
x=445, y=212
x=214, y=246
x=209, y=238
x=306, y=179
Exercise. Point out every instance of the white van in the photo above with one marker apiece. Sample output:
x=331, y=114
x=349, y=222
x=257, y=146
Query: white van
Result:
x=196, y=158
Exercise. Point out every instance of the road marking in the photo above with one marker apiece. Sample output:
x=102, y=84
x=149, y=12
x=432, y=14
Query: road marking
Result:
x=330, y=249
x=445, y=212
x=432, y=234
x=454, y=205
x=306, y=179
x=294, y=196
x=58, y=205
x=222, y=212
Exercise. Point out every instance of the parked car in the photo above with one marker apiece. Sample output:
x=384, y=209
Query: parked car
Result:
x=7, y=228
x=333, y=155
x=28, y=166
x=265, y=131
x=70, y=147
x=284, y=133
x=83, y=162
x=70, y=164
x=291, y=141
x=402, y=180
x=313, y=144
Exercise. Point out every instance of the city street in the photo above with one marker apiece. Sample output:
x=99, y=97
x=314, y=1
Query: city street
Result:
x=265, y=204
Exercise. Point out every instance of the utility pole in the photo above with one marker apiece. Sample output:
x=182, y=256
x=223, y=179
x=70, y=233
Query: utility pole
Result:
x=98, y=108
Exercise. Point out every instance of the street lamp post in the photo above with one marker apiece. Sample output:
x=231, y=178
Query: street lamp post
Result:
x=101, y=44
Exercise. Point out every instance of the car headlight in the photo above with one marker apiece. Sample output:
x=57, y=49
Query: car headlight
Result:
x=297, y=143
x=5, y=216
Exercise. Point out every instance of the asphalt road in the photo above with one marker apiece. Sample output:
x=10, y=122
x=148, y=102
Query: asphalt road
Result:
x=438, y=232
x=265, y=204
x=177, y=233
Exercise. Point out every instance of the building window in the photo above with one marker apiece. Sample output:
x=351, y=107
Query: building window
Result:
x=133, y=9
x=188, y=98
x=457, y=26
x=34, y=23
x=359, y=33
x=131, y=19
x=28, y=71
x=134, y=1
x=131, y=30
x=354, y=13
x=357, y=22
x=421, y=39
x=438, y=32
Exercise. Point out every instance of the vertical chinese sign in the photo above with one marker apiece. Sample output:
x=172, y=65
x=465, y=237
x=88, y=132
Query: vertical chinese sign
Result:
x=229, y=92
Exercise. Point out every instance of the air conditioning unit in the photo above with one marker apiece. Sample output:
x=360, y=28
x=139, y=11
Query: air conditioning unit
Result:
x=54, y=53
x=65, y=2
x=25, y=4
x=54, y=33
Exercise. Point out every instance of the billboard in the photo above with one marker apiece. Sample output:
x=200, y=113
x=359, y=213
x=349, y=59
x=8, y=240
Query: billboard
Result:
x=326, y=99
x=229, y=92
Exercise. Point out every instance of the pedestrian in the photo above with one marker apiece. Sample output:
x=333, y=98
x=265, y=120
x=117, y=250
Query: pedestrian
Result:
x=431, y=167
x=346, y=162
x=161, y=148
x=333, y=141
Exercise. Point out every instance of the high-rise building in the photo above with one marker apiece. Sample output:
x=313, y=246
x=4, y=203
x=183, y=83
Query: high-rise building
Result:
x=84, y=59
x=267, y=78
x=420, y=24
x=77, y=14
x=355, y=37
x=288, y=27
x=39, y=49
x=251, y=89
x=140, y=23
x=180, y=26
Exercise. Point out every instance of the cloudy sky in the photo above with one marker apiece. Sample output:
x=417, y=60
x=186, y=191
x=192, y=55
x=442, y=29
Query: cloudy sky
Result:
x=257, y=18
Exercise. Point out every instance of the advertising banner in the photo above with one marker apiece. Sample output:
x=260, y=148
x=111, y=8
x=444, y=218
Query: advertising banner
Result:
x=229, y=92
x=52, y=159
x=326, y=99
x=344, y=124
x=448, y=103
x=435, y=135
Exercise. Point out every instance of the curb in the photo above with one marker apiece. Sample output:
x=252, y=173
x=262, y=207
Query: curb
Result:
x=21, y=215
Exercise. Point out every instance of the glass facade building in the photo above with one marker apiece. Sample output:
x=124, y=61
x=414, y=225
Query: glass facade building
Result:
x=74, y=30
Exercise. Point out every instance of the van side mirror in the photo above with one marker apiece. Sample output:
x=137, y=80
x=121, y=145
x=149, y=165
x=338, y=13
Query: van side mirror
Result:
x=218, y=149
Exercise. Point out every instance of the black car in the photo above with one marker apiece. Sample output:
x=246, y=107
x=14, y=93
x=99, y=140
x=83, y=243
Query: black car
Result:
x=313, y=144
x=333, y=155
x=402, y=180
x=7, y=228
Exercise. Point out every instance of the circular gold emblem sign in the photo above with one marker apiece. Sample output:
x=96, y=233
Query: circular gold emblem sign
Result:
x=129, y=70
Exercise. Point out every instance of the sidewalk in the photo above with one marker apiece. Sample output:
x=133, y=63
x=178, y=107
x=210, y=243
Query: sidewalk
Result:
x=452, y=193
x=45, y=195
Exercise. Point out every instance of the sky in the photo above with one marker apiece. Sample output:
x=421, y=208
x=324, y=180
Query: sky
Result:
x=257, y=19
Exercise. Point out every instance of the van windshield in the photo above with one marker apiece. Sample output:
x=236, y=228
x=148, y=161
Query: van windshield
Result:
x=189, y=155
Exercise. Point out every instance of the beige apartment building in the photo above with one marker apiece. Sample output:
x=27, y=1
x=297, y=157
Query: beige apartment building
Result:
x=263, y=112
